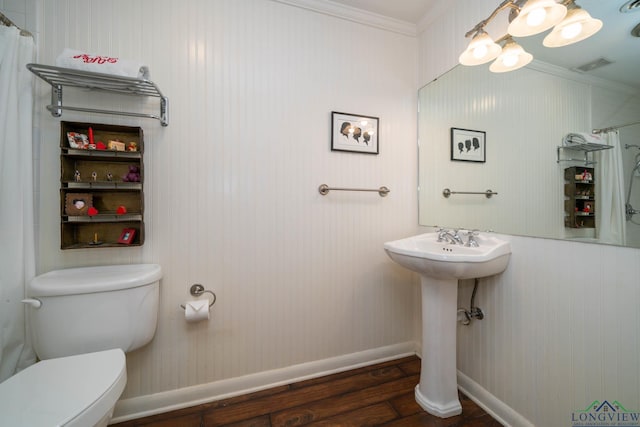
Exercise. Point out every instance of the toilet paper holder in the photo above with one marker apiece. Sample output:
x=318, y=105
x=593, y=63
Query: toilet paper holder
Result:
x=197, y=290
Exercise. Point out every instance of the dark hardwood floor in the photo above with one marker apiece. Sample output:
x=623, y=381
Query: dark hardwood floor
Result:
x=375, y=395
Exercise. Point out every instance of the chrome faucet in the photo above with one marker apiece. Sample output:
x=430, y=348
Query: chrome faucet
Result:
x=450, y=236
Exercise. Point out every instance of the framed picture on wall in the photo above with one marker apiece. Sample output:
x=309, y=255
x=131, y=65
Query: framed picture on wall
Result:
x=354, y=132
x=468, y=145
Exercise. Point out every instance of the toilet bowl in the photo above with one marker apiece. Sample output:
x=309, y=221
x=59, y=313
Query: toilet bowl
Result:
x=82, y=321
x=72, y=391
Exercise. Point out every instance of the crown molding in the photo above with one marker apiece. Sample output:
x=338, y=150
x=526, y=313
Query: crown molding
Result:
x=581, y=77
x=337, y=10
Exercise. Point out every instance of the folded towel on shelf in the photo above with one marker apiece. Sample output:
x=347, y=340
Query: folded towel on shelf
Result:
x=78, y=60
x=578, y=138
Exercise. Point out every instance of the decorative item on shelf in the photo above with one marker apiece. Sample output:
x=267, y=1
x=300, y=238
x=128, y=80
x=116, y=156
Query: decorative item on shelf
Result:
x=133, y=175
x=132, y=146
x=127, y=235
x=92, y=211
x=100, y=146
x=121, y=210
x=92, y=143
x=115, y=145
x=94, y=176
x=78, y=203
x=109, y=176
x=95, y=240
x=78, y=140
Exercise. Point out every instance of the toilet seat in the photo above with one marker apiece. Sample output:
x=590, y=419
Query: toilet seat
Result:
x=67, y=391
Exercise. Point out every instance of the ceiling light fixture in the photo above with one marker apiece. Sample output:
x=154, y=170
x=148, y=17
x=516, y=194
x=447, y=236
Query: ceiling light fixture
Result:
x=576, y=26
x=528, y=17
x=536, y=16
x=481, y=50
x=513, y=56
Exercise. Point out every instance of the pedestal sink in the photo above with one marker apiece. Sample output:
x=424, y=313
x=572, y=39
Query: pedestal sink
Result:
x=440, y=265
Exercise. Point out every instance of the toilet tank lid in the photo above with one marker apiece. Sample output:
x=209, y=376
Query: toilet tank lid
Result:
x=85, y=280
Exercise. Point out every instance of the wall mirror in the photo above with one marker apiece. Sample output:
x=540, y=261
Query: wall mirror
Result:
x=523, y=116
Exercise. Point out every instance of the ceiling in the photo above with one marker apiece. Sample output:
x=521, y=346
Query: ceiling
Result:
x=612, y=42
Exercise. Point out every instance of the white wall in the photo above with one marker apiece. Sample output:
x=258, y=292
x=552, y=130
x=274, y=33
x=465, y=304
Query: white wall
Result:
x=20, y=12
x=562, y=325
x=231, y=190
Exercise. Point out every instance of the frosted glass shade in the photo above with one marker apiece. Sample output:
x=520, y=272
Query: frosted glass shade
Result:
x=576, y=26
x=536, y=16
x=481, y=49
x=513, y=56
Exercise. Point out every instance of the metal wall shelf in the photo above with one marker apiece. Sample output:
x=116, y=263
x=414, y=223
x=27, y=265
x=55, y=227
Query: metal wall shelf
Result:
x=586, y=148
x=59, y=77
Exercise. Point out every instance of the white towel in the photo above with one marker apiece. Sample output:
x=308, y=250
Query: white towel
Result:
x=79, y=60
x=578, y=138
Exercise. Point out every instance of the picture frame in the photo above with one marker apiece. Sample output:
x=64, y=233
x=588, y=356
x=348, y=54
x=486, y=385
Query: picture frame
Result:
x=355, y=133
x=127, y=235
x=468, y=145
x=77, y=204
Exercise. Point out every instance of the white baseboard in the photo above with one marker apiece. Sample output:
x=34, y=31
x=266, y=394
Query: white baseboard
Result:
x=499, y=410
x=144, y=406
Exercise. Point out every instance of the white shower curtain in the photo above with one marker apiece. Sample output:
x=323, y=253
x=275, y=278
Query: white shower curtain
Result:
x=611, y=223
x=17, y=253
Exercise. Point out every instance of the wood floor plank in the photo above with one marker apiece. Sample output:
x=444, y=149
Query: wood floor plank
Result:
x=191, y=420
x=328, y=407
x=406, y=404
x=373, y=415
x=350, y=373
x=296, y=397
x=381, y=394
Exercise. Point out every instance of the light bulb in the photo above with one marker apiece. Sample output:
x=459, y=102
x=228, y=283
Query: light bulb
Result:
x=536, y=17
x=363, y=123
x=571, y=31
x=480, y=51
x=509, y=60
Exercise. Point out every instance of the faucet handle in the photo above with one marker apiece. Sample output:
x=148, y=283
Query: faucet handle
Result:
x=471, y=238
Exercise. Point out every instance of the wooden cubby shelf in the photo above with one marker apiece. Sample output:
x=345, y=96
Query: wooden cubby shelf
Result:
x=580, y=197
x=97, y=202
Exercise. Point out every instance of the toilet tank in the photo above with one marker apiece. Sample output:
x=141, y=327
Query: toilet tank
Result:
x=93, y=309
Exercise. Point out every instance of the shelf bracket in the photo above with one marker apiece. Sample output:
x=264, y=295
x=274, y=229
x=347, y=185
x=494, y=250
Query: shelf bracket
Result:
x=56, y=101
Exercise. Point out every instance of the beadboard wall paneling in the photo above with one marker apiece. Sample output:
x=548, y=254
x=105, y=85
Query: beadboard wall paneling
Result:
x=560, y=329
x=231, y=184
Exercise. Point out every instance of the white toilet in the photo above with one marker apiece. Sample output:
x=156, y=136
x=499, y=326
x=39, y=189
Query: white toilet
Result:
x=82, y=321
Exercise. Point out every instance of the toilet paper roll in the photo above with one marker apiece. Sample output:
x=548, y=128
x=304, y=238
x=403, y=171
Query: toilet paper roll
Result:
x=195, y=311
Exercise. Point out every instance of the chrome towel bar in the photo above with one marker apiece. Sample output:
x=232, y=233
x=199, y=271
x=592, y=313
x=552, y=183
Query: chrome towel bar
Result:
x=324, y=190
x=446, y=193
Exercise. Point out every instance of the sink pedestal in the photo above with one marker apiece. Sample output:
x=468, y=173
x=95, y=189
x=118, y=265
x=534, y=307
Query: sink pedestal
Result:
x=441, y=265
x=437, y=392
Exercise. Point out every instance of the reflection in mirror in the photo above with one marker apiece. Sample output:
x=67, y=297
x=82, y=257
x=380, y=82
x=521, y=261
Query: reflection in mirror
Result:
x=525, y=115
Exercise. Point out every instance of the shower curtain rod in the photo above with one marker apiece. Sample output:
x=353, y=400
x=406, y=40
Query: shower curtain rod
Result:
x=596, y=131
x=9, y=23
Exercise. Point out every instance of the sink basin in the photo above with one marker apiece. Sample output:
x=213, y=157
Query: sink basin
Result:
x=442, y=260
x=440, y=265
